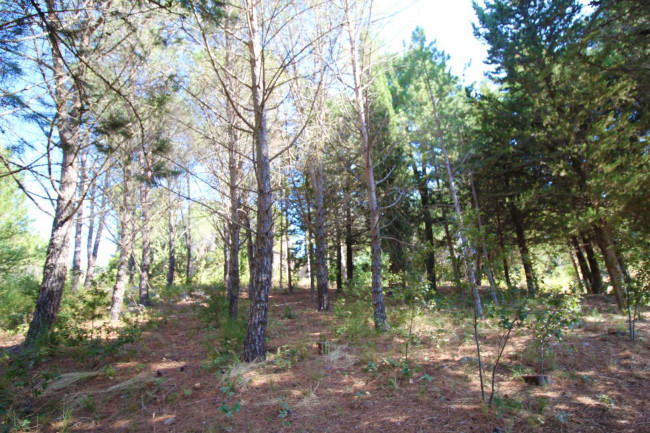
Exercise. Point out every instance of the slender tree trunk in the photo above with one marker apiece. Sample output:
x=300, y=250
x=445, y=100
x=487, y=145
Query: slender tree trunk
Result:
x=226, y=253
x=581, y=282
x=430, y=262
x=281, y=264
x=92, y=257
x=233, y=263
x=349, y=242
x=92, y=195
x=171, y=244
x=594, y=270
x=488, y=267
x=79, y=225
x=145, y=262
x=616, y=275
x=310, y=255
x=188, y=235
x=478, y=308
x=379, y=310
x=582, y=263
x=518, y=223
x=286, y=233
x=450, y=245
x=502, y=245
x=255, y=341
x=126, y=227
x=251, y=257
x=316, y=172
x=339, y=259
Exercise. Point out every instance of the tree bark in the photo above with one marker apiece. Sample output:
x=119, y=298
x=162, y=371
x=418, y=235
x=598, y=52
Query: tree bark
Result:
x=188, y=235
x=471, y=276
x=255, y=341
x=339, y=258
x=502, y=245
x=310, y=255
x=286, y=228
x=582, y=264
x=251, y=257
x=233, y=263
x=68, y=119
x=349, y=242
x=594, y=270
x=171, y=244
x=126, y=227
x=316, y=172
x=145, y=262
x=379, y=310
x=76, y=258
x=92, y=257
x=581, y=282
x=518, y=223
x=430, y=262
x=486, y=257
x=616, y=275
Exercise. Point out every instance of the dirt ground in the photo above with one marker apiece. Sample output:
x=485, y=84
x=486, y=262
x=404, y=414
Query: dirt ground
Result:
x=355, y=381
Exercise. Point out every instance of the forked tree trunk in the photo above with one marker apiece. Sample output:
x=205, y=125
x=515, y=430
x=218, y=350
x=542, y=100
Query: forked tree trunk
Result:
x=316, y=172
x=255, y=341
x=379, y=310
x=450, y=245
x=126, y=226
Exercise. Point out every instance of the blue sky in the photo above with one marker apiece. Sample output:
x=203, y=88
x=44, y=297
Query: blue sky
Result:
x=448, y=22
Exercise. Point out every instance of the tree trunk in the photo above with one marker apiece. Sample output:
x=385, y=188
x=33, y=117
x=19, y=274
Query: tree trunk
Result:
x=67, y=120
x=582, y=264
x=430, y=262
x=488, y=267
x=616, y=275
x=502, y=245
x=145, y=262
x=518, y=223
x=233, y=263
x=316, y=172
x=251, y=257
x=92, y=257
x=478, y=308
x=339, y=259
x=79, y=225
x=581, y=281
x=379, y=310
x=171, y=244
x=126, y=227
x=92, y=194
x=310, y=255
x=188, y=236
x=349, y=241
x=255, y=341
x=450, y=245
x=286, y=233
x=594, y=270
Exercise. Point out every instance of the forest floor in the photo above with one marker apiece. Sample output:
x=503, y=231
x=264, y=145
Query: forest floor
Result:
x=178, y=377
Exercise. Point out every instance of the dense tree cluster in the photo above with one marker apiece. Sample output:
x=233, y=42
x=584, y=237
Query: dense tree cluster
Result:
x=209, y=139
